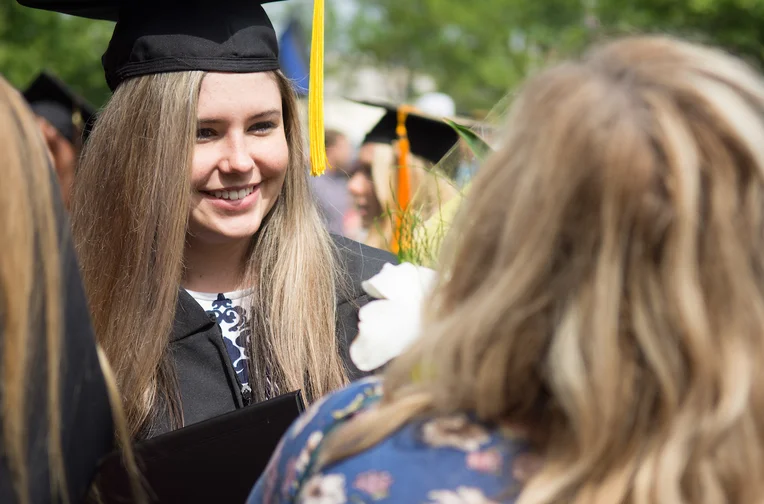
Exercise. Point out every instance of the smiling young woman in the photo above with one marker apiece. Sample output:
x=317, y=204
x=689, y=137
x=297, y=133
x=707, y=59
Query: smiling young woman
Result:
x=211, y=278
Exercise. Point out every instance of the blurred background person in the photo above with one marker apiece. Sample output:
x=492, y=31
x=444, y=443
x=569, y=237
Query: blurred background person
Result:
x=62, y=116
x=331, y=189
x=374, y=181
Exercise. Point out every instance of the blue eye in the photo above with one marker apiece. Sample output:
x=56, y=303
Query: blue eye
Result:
x=263, y=127
x=205, y=133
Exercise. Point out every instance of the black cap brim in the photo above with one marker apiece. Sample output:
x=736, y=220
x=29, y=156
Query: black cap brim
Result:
x=107, y=10
x=429, y=137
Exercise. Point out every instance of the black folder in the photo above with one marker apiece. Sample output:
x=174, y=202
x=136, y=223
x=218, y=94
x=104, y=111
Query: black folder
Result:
x=215, y=461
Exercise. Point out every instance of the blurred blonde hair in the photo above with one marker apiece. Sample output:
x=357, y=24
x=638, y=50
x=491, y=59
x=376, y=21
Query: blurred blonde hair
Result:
x=30, y=287
x=30, y=291
x=605, y=284
x=429, y=190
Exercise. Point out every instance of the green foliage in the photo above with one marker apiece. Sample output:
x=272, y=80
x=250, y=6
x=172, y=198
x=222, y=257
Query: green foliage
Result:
x=33, y=40
x=737, y=25
x=426, y=236
x=422, y=238
x=479, y=50
x=475, y=50
x=477, y=145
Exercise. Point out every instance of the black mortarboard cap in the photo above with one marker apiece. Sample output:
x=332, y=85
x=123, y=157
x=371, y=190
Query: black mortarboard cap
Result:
x=156, y=36
x=429, y=137
x=54, y=101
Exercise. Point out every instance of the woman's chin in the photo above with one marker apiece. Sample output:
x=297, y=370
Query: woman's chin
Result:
x=224, y=234
x=368, y=221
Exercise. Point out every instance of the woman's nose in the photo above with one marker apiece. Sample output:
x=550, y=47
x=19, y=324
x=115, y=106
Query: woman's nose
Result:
x=357, y=184
x=237, y=157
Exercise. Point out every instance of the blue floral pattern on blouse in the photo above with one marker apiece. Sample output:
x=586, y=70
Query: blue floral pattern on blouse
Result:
x=441, y=460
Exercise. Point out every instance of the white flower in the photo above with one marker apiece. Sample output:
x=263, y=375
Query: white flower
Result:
x=462, y=495
x=388, y=325
x=328, y=489
x=307, y=452
x=455, y=432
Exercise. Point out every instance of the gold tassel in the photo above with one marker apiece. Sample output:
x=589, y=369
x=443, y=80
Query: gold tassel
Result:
x=79, y=128
x=316, y=93
x=77, y=120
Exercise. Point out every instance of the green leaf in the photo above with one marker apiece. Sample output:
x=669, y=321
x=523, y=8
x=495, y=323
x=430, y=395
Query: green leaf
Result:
x=477, y=145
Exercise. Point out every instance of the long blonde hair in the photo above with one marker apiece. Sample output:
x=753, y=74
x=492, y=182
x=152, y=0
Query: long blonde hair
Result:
x=605, y=284
x=429, y=189
x=130, y=211
x=30, y=288
x=30, y=291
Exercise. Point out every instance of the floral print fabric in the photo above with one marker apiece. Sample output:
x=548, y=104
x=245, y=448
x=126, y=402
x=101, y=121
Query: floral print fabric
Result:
x=230, y=312
x=442, y=460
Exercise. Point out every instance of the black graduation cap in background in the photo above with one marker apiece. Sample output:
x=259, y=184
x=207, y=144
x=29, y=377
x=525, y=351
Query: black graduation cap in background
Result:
x=54, y=101
x=155, y=36
x=429, y=137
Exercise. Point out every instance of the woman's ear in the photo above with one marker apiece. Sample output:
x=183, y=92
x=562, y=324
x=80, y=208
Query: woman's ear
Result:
x=49, y=134
x=62, y=154
x=383, y=175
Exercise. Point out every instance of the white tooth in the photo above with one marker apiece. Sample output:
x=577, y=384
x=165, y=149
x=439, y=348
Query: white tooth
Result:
x=224, y=194
x=233, y=195
x=218, y=194
x=243, y=193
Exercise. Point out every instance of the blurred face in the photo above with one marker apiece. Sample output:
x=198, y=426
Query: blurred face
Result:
x=240, y=158
x=340, y=155
x=361, y=187
x=63, y=155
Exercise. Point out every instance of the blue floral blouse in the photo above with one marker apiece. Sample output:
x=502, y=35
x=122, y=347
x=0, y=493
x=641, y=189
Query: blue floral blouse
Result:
x=442, y=460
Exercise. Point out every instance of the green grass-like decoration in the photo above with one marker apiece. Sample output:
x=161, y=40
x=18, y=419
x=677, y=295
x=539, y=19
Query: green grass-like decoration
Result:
x=424, y=237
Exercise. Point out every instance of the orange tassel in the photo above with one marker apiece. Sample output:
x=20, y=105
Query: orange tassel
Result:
x=403, y=196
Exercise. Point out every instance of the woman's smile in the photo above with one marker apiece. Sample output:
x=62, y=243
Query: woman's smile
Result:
x=234, y=199
x=233, y=193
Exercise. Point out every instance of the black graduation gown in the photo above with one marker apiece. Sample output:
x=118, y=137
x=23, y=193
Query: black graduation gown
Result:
x=86, y=422
x=207, y=381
